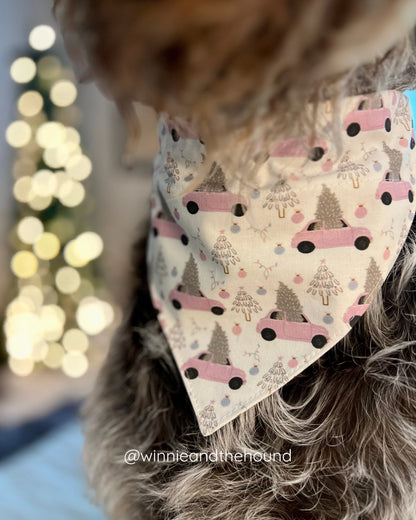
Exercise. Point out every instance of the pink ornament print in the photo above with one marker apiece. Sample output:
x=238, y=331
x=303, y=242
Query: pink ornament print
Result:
x=361, y=211
x=297, y=217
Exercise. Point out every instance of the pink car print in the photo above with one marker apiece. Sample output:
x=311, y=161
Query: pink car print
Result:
x=276, y=325
x=370, y=114
x=393, y=188
x=214, y=201
x=315, y=235
x=313, y=149
x=168, y=228
x=202, y=366
x=181, y=299
x=357, y=309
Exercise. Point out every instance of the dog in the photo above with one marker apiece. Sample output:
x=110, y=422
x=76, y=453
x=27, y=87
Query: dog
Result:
x=349, y=419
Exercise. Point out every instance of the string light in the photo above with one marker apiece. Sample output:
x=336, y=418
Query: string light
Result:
x=24, y=264
x=75, y=339
x=47, y=246
x=29, y=230
x=63, y=93
x=23, y=70
x=50, y=134
x=42, y=37
x=44, y=183
x=30, y=103
x=79, y=167
x=67, y=280
x=21, y=367
x=18, y=134
x=94, y=315
x=74, y=364
x=71, y=193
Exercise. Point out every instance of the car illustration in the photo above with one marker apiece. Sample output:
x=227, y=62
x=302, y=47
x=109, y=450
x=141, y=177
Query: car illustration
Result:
x=168, y=228
x=215, y=201
x=276, y=325
x=181, y=299
x=314, y=149
x=202, y=366
x=316, y=235
x=370, y=114
x=392, y=187
x=358, y=308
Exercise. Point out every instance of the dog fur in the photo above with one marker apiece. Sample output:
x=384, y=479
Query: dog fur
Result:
x=349, y=419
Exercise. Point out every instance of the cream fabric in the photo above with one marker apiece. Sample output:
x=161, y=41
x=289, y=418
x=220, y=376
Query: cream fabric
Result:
x=254, y=283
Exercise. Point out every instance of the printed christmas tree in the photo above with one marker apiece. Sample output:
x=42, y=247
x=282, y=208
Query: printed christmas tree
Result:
x=245, y=303
x=190, y=277
x=350, y=170
x=324, y=284
x=223, y=253
x=373, y=279
x=215, y=181
x=208, y=418
x=328, y=209
x=395, y=161
x=275, y=376
x=218, y=346
x=287, y=301
x=172, y=171
x=176, y=336
x=280, y=197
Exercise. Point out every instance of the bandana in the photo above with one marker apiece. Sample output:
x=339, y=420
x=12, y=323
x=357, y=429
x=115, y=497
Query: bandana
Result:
x=253, y=284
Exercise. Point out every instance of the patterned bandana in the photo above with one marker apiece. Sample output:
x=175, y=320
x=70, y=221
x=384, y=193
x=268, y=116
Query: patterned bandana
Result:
x=254, y=284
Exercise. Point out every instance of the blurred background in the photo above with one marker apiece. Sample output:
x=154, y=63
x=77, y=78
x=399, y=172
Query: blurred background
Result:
x=70, y=211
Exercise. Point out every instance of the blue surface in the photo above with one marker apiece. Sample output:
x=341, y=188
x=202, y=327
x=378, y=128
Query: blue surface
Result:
x=45, y=481
x=411, y=94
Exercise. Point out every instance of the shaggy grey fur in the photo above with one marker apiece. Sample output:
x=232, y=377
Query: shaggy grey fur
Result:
x=349, y=420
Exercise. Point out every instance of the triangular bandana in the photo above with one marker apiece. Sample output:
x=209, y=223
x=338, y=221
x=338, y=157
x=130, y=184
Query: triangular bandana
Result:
x=253, y=285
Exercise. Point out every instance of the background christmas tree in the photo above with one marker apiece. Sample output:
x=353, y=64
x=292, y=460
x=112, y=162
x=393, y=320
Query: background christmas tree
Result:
x=329, y=209
x=245, y=303
x=324, y=284
x=219, y=346
x=223, y=253
x=274, y=377
x=373, y=278
x=286, y=300
x=190, y=278
x=280, y=197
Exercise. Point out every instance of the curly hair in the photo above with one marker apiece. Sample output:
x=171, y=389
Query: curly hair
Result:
x=239, y=69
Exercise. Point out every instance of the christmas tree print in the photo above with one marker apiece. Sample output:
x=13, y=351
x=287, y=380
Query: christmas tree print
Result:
x=172, y=171
x=161, y=268
x=373, y=279
x=215, y=181
x=275, y=376
x=245, y=303
x=324, y=284
x=395, y=162
x=218, y=346
x=223, y=253
x=280, y=197
x=208, y=418
x=351, y=170
x=190, y=278
x=176, y=336
x=328, y=209
x=401, y=114
x=287, y=301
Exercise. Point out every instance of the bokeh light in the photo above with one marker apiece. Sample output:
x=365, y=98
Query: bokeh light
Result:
x=47, y=246
x=21, y=367
x=24, y=264
x=75, y=339
x=54, y=355
x=39, y=203
x=79, y=167
x=44, y=183
x=30, y=103
x=67, y=280
x=23, y=70
x=50, y=134
x=63, y=93
x=74, y=364
x=22, y=189
x=29, y=230
x=18, y=134
x=94, y=315
x=71, y=193
x=42, y=37
x=49, y=68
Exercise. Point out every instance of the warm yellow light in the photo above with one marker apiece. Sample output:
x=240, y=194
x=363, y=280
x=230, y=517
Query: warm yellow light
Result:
x=75, y=339
x=22, y=189
x=19, y=345
x=67, y=280
x=24, y=264
x=88, y=245
x=50, y=134
x=29, y=229
x=78, y=167
x=39, y=351
x=44, y=183
x=63, y=93
x=70, y=255
x=23, y=70
x=74, y=364
x=42, y=37
x=30, y=103
x=47, y=246
x=93, y=315
x=72, y=135
x=52, y=319
x=18, y=134
x=71, y=193
x=21, y=367
x=27, y=322
x=39, y=203
x=49, y=68
x=53, y=358
x=33, y=293
x=56, y=157
x=20, y=305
